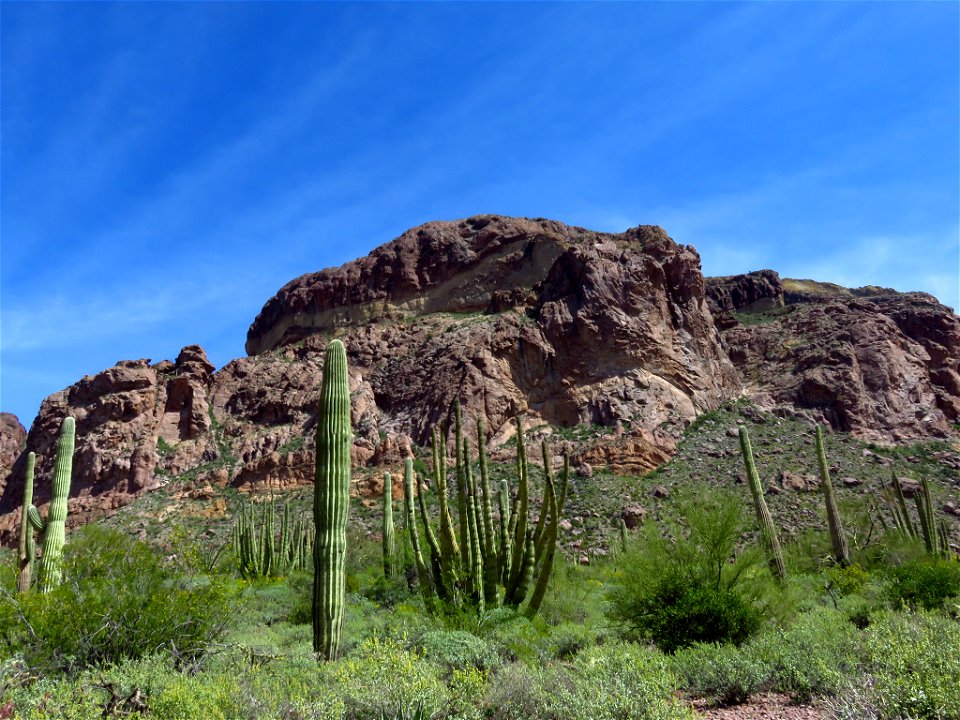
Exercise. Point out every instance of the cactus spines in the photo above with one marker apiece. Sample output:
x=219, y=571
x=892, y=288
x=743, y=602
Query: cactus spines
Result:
x=54, y=533
x=767, y=529
x=389, y=542
x=27, y=551
x=331, y=503
x=841, y=550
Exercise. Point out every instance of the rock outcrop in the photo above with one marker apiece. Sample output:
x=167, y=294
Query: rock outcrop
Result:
x=572, y=329
x=13, y=435
x=127, y=417
x=881, y=364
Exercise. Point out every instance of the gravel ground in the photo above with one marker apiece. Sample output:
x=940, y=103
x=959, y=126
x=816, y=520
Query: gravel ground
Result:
x=766, y=706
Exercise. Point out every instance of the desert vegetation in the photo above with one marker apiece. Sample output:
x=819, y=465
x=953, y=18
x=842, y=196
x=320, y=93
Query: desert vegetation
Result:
x=496, y=615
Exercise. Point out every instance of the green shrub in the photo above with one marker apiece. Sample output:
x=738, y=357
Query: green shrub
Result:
x=688, y=590
x=456, y=649
x=915, y=665
x=208, y=696
x=725, y=674
x=926, y=583
x=383, y=675
x=515, y=692
x=120, y=601
x=619, y=681
x=815, y=655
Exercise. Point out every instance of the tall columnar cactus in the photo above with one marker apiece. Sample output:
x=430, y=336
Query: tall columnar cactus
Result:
x=841, y=550
x=27, y=550
x=767, y=529
x=928, y=523
x=422, y=575
x=54, y=528
x=486, y=576
x=389, y=542
x=259, y=552
x=331, y=503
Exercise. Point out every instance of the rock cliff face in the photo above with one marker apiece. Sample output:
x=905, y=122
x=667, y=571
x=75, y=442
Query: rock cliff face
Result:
x=881, y=364
x=565, y=326
x=12, y=438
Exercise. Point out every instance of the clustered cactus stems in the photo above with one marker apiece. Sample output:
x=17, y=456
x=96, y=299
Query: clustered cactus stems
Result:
x=54, y=528
x=485, y=561
x=260, y=553
x=935, y=538
x=27, y=550
x=389, y=541
x=331, y=503
x=767, y=529
x=841, y=550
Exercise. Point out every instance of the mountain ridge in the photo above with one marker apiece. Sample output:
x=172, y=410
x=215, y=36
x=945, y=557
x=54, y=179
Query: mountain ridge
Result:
x=565, y=326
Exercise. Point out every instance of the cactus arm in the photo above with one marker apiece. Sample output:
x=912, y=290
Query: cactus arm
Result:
x=54, y=536
x=466, y=548
x=389, y=548
x=519, y=516
x=526, y=572
x=38, y=523
x=841, y=550
x=767, y=529
x=564, y=482
x=503, y=556
x=285, y=548
x=902, y=502
x=27, y=550
x=473, y=531
x=925, y=512
x=422, y=576
x=331, y=503
x=547, y=552
x=544, y=506
x=449, y=550
x=436, y=564
x=490, y=548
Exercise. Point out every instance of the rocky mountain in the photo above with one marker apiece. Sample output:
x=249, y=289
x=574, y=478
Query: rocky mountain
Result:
x=568, y=327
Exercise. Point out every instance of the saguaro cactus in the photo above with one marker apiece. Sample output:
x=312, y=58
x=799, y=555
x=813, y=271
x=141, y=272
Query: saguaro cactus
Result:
x=841, y=550
x=27, y=550
x=54, y=528
x=331, y=503
x=767, y=529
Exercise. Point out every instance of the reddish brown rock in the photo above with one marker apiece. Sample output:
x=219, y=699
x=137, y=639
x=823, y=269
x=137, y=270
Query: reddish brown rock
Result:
x=883, y=367
x=633, y=515
x=564, y=326
x=13, y=436
x=751, y=292
x=136, y=423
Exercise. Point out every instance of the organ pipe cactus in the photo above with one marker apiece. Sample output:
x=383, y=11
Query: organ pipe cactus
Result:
x=508, y=561
x=54, y=527
x=422, y=576
x=841, y=550
x=259, y=553
x=767, y=529
x=27, y=550
x=331, y=503
x=389, y=546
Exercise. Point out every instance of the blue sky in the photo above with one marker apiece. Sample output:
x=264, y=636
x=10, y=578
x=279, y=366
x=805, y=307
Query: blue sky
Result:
x=166, y=167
